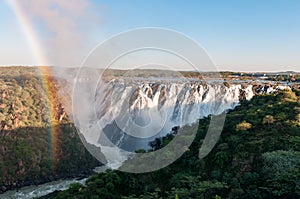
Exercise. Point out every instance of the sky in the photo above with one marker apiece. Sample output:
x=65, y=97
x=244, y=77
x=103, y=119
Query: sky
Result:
x=238, y=35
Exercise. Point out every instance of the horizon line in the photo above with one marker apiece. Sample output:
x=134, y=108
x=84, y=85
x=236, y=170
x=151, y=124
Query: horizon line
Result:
x=180, y=69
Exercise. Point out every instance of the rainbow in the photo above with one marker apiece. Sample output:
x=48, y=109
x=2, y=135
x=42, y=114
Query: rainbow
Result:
x=45, y=72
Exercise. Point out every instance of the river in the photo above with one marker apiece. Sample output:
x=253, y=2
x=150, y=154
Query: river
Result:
x=35, y=191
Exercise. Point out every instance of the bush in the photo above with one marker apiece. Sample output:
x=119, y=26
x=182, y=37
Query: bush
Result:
x=244, y=126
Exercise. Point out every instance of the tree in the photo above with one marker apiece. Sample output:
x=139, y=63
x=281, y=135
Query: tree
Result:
x=268, y=119
x=243, y=126
x=281, y=171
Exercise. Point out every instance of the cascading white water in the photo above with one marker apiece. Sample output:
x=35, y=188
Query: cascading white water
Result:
x=131, y=113
x=124, y=115
x=180, y=103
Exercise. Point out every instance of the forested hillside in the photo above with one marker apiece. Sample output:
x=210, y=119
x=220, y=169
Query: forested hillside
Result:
x=36, y=146
x=257, y=156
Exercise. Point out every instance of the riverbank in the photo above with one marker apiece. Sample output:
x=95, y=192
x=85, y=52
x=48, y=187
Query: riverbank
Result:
x=34, y=183
x=34, y=191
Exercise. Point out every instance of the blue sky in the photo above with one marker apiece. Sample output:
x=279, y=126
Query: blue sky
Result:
x=240, y=35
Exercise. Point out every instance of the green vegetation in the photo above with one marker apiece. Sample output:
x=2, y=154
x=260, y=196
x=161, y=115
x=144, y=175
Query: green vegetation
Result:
x=257, y=156
x=32, y=151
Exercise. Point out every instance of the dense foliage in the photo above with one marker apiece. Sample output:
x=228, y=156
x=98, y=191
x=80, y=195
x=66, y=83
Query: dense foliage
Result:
x=32, y=150
x=257, y=156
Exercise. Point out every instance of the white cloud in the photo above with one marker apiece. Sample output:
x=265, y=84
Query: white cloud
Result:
x=63, y=27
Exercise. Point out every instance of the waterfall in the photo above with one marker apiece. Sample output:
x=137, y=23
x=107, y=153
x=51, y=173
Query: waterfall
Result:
x=128, y=114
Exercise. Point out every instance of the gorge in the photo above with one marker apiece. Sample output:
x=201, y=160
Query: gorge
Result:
x=26, y=129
